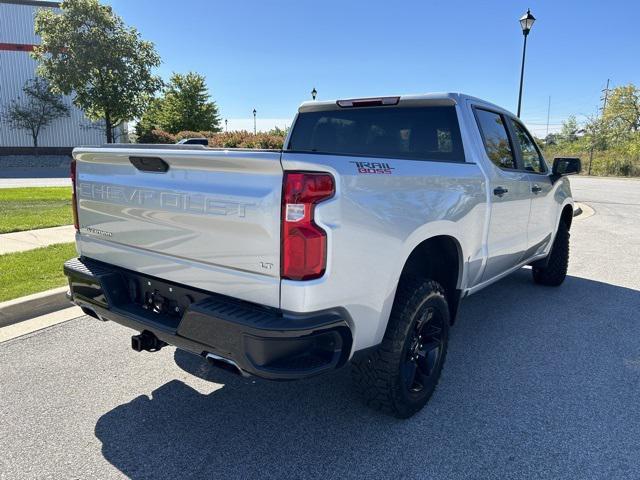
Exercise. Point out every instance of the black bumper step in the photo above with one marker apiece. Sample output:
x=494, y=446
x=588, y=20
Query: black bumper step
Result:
x=263, y=341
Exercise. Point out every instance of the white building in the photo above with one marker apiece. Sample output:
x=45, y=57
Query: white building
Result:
x=17, y=39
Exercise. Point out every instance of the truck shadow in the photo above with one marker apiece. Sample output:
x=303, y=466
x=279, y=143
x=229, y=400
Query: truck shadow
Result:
x=531, y=379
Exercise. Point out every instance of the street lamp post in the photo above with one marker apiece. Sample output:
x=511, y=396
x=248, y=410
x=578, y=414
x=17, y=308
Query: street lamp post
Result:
x=314, y=92
x=526, y=22
x=225, y=125
x=254, y=121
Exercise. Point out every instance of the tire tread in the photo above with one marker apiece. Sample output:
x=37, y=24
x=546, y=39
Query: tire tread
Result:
x=556, y=269
x=377, y=376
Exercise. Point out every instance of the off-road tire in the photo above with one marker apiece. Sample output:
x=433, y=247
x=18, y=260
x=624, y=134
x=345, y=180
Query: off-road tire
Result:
x=379, y=376
x=554, y=273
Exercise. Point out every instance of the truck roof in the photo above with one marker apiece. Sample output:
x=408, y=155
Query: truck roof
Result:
x=435, y=98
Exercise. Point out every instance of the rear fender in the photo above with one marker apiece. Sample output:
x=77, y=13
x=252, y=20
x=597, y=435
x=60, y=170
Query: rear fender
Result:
x=424, y=233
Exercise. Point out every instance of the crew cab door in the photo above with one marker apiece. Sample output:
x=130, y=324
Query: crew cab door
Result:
x=510, y=196
x=543, y=208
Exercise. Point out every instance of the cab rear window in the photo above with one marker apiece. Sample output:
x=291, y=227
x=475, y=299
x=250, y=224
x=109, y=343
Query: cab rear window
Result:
x=416, y=133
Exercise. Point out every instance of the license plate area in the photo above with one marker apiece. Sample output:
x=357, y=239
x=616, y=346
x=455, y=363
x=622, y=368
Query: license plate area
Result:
x=157, y=300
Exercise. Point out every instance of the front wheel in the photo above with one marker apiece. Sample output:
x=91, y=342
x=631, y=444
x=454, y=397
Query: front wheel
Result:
x=400, y=376
x=555, y=271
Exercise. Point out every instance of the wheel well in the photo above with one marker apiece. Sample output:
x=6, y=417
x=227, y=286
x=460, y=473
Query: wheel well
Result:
x=439, y=259
x=567, y=216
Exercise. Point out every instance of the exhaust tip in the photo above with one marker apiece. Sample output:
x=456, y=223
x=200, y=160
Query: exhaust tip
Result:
x=91, y=312
x=225, y=364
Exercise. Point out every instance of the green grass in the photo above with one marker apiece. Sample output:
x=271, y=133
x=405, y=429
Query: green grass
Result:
x=34, y=207
x=24, y=273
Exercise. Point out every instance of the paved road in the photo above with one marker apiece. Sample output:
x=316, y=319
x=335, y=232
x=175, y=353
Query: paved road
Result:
x=539, y=382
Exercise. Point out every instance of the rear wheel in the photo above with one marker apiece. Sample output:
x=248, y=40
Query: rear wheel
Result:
x=400, y=376
x=555, y=271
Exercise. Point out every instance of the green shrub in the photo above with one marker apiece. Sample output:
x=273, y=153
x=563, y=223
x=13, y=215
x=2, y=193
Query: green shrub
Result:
x=187, y=134
x=605, y=163
x=156, y=136
x=272, y=140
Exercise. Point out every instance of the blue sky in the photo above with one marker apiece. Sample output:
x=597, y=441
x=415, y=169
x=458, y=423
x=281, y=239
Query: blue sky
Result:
x=270, y=54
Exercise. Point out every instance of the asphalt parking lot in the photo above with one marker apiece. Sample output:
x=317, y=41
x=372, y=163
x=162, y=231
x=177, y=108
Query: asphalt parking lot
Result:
x=539, y=383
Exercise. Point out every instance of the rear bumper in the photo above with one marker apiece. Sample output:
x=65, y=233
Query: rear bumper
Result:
x=261, y=341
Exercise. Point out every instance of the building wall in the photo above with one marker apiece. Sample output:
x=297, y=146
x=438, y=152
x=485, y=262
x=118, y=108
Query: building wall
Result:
x=16, y=67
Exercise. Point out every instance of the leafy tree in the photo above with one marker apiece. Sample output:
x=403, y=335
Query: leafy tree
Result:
x=37, y=111
x=184, y=106
x=595, y=133
x=610, y=144
x=569, y=131
x=551, y=139
x=149, y=122
x=87, y=50
x=622, y=114
x=278, y=132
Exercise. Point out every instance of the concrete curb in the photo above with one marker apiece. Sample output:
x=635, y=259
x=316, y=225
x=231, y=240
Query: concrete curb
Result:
x=39, y=323
x=582, y=211
x=24, y=308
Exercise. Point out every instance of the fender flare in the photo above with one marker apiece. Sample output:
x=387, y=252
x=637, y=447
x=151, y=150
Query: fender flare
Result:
x=420, y=235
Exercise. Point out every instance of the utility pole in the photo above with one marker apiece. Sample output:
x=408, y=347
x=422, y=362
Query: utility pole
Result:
x=606, y=96
x=593, y=140
x=548, y=114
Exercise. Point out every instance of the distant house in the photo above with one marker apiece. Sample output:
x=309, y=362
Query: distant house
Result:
x=17, y=39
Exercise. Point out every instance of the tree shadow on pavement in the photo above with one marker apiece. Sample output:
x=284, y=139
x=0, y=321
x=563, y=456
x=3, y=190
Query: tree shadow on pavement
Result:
x=538, y=382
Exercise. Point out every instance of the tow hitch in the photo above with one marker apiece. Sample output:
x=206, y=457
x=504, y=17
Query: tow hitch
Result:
x=146, y=341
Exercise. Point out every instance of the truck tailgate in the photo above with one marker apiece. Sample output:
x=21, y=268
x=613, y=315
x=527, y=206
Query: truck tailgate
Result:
x=210, y=221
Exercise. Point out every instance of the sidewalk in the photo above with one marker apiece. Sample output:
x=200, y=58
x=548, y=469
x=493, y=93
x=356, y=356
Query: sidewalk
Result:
x=23, y=241
x=10, y=182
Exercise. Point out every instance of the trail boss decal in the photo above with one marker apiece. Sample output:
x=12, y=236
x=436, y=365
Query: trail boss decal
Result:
x=374, y=168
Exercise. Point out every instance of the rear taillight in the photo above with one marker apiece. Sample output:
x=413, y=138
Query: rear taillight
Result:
x=74, y=201
x=304, y=244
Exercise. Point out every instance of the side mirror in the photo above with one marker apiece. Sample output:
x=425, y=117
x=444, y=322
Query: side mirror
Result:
x=565, y=166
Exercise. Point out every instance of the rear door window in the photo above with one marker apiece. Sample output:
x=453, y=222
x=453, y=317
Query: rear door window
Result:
x=419, y=133
x=495, y=138
x=531, y=157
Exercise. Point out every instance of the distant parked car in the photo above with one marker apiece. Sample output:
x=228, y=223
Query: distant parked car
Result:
x=194, y=141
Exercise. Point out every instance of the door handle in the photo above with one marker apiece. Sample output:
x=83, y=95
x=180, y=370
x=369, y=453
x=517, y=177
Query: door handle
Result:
x=536, y=188
x=500, y=191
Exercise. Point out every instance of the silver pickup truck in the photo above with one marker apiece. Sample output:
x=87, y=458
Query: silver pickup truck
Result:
x=355, y=243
